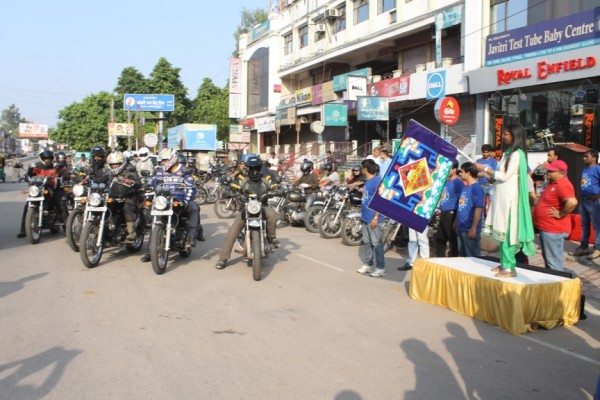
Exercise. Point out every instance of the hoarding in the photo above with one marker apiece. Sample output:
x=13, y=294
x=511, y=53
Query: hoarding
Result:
x=372, y=109
x=120, y=129
x=335, y=115
x=33, y=131
x=193, y=137
x=148, y=102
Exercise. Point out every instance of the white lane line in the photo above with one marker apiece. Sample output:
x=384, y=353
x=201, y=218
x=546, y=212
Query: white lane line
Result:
x=590, y=309
x=571, y=353
x=320, y=262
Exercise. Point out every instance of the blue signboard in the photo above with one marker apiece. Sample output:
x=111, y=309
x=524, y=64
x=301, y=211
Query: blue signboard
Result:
x=340, y=82
x=371, y=108
x=547, y=37
x=436, y=84
x=193, y=137
x=335, y=115
x=148, y=102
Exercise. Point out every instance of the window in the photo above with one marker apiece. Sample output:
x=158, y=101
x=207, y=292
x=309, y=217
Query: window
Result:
x=507, y=15
x=386, y=5
x=288, y=44
x=303, y=35
x=361, y=11
x=340, y=22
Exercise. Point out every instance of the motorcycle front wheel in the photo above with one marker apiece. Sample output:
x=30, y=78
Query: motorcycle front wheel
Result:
x=328, y=228
x=352, y=232
x=311, y=221
x=159, y=256
x=256, y=256
x=89, y=252
x=225, y=208
x=201, y=195
x=73, y=228
x=32, y=230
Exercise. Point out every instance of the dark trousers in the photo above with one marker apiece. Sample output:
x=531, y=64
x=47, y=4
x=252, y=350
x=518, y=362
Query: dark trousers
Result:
x=237, y=226
x=194, y=218
x=59, y=202
x=446, y=234
x=129, y=210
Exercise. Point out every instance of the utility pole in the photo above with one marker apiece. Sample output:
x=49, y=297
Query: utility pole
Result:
x=161, y=116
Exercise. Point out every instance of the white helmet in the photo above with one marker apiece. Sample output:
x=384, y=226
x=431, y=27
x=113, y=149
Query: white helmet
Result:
x=144, y=153
x=127, y=154
x=116, y=157
x=164, y=154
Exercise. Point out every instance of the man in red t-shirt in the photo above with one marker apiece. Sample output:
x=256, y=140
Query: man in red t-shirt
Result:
x=550, y=214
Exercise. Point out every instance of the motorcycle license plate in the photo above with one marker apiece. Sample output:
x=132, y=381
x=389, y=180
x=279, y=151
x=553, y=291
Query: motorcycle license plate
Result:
x=35, y=199
x=96, y=209
x=156, y=212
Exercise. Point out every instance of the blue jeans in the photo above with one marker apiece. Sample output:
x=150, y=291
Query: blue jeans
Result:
x=373, y=246
x=590, y=211
x=553, y=249
x=469, y=247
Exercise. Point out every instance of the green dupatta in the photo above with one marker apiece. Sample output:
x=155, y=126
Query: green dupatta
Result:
x=525, y=234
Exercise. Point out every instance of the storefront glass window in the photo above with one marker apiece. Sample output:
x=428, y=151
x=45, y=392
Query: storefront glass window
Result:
x=258, y=81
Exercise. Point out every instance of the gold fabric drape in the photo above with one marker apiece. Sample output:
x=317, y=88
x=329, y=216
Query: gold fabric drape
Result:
x=515, y=307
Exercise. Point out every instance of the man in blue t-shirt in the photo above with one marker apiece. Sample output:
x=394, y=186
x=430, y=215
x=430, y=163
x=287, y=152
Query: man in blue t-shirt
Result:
x=590, y=205
x=470, y=210
x=489, y=159
x=447, y=214
x=371, y=224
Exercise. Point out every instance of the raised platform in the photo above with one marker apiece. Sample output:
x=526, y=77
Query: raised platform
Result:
x=518, y=305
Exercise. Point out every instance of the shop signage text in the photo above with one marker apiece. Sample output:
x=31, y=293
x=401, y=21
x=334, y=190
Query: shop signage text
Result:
x=436, y=85
x=447, y=111
x=544, y=69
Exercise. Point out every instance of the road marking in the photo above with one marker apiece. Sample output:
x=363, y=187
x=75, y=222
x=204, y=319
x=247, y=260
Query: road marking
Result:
x=571, y=353
x=590, y=309
x=321, y=262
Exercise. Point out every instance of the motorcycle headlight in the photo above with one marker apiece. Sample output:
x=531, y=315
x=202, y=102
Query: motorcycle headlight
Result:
x=34, y=191
x=94, y=200
x=160, y=202
x=253, y=207
x=78, y=190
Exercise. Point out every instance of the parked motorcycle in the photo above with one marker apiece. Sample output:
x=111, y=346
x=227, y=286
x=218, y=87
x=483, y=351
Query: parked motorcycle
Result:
x=40, y=210
x=291, y=204
x=170, y=224
x=226, y=202
x=325, y=198
x=333, y=220
x=105, y=225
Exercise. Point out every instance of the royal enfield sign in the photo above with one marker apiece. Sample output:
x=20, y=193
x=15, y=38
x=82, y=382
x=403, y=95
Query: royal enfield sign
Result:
x=447, y=111
x=574, y=31
x=436, y=84
x=559, y=67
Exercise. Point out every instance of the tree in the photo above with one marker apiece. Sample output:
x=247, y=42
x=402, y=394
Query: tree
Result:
x=84, y=124
x=250, y=18
x=11, y=117
x=131, y=81
x=164, y=79
x=211, y=106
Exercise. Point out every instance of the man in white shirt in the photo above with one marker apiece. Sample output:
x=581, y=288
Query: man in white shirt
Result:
x=273, y=162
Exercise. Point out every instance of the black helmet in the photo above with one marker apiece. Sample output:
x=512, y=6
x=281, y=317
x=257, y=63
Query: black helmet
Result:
x=254, y=165
x=61, y=158
x=327, y=167
x=47, y=157
x=98, y=156
x=306, y=167
x=181, y=159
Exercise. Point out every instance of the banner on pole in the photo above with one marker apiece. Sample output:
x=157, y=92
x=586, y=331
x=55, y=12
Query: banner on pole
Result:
x=412, y=186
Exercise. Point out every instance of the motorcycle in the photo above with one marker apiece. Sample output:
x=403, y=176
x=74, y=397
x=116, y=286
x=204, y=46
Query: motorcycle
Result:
x=291, y=204
x=226, y=203
x=40, y=210
x=326, y=198
x=170, y=225
x=74, y=222
x=105, y=225
x=332, y=222
x=254, y=235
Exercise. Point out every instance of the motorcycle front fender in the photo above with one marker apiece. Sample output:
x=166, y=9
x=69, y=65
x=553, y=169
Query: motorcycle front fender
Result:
x=353, y=215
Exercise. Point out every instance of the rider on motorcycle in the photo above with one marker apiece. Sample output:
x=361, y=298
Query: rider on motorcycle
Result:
x=99, y=172
x=311, y=180
x=126, y=184
x=145, y=162
x=47, y=168
x=260, y=185
x=331, y=176
x=356, y=178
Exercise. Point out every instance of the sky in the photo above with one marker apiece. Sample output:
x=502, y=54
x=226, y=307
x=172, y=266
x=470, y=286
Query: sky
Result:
x=56, y=52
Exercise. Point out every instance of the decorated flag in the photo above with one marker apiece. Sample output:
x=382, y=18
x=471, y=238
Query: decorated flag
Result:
x=411, y=188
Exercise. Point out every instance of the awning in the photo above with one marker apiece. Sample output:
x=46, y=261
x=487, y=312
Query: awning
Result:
x=308, y=110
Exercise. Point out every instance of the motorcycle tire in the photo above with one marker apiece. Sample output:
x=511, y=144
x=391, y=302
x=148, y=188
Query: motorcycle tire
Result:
x=351, y=232
x=311, y=221
x=201, y=195
x=212, y=195
x=159, y=257
x=327, y=229
x=256, y=256
x=32, y=230
x=89, y=253
x=224, y=208
x=388, y=237
x=73, y=228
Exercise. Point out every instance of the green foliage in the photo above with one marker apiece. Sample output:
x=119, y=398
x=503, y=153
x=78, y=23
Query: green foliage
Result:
x=84, y=124
x=130, y=81
x=164, y=79
x=211, y=106
x=249, y=18
x=11, y=117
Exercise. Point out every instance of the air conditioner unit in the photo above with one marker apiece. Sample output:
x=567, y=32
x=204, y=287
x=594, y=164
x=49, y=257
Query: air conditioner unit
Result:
x=320, y=28
x=333, y=13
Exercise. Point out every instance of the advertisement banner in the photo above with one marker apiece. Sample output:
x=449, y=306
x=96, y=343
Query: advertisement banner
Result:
x=286, y=116
x=372, y=109
x=120, y=129
x=327, y=92
x=498, y=129
x=357, y=86
x=547, y=37
x=235, y=75
x=193, y=137
x=254, y=77
x=265, y=124
x=436, y=85
x=33, y=131
x=148, y=102
x=235, y=105
x=390, y=87
x=413, y=184
x=588, y=127
x=303, y=96
x=317, y=95
x=340, y=82
x=287, y=100
x=335, y=115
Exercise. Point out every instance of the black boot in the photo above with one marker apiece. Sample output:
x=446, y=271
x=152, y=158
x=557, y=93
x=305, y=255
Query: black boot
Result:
x=146, y=257
x=221, y=263
x=21, y=235
x=200, y=236
x=274, y=242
